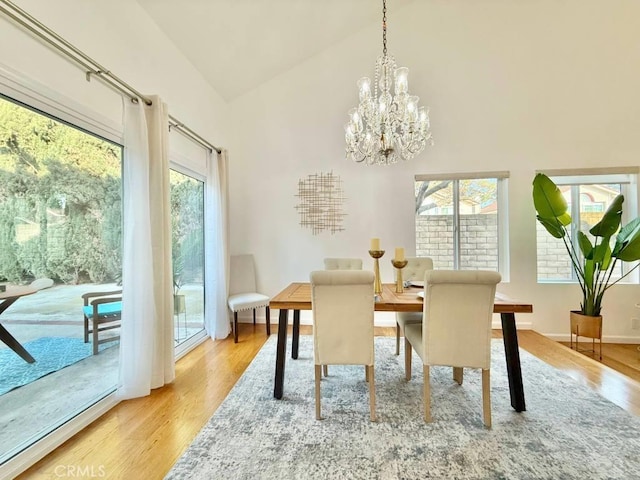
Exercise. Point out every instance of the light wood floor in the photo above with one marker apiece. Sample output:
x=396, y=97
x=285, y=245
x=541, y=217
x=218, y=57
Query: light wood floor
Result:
x=142, y=438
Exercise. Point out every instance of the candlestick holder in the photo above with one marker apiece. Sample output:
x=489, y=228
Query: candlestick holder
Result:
x=399, y=265
x=376, y=254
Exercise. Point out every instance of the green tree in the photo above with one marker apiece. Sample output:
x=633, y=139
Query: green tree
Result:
x=60, y=199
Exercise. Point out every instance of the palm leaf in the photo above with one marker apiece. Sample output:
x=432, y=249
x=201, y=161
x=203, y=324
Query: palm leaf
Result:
x=628, y=242
x=548, y=200
x=610, y=221
x=585, y=245
x=553, y=226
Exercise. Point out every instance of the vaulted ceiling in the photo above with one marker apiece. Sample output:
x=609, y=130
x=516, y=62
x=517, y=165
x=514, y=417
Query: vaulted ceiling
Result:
x=239, y=44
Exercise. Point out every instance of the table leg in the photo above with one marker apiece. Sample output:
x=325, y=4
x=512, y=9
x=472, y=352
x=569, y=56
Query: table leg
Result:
x=12, y=343
x=296, y=334
x=8, y=339
x=510, y=338
x=280, y=353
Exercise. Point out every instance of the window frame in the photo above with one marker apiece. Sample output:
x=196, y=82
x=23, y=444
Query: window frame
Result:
x=502, y=190
x=626, y=177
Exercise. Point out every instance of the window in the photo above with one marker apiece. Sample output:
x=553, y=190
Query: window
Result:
x=459, y=220
x=588, y=197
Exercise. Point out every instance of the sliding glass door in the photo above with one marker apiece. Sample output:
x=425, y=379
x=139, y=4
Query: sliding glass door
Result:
x=187, y=214
x=60, y=238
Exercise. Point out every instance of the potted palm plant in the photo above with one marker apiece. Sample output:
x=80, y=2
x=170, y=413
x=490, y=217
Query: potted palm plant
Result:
x=593, y=259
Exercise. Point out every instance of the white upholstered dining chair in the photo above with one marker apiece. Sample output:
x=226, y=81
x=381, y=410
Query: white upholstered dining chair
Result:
x=243, y=294
x=338, y=263
x=455, y=329
x=414, y=271
x=343, y=264
x=343, y=307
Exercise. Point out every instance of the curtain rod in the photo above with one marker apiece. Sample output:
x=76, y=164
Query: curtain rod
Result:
x=90, y=66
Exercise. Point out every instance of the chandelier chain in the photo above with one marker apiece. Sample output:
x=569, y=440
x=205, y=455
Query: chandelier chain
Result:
x=384, y=27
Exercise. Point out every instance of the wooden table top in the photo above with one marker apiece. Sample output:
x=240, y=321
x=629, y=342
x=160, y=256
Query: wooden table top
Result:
x=17, y=291
x=297, y=296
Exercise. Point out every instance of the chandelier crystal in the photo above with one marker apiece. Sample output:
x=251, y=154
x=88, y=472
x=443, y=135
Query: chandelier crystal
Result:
x=385, y=128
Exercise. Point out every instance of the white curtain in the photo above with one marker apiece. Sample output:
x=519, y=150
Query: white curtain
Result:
x=217, y=235
x=147, y=358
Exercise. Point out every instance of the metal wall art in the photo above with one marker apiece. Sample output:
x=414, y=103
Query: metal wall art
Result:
x=321, y=200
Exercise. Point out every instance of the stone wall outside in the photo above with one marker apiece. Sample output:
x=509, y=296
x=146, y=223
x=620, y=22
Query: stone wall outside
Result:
x=478, y=241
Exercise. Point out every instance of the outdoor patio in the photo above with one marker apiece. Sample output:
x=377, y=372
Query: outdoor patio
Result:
x=50, y=324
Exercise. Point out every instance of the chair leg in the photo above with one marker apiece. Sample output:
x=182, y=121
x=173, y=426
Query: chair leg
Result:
x=372, y=392
x=325, y=370
x=86, y=330
x=318, y=371
x=254, y=316
x=458, y=375
x=235, y=327
x=397, y=338
x=366, y=373
x=95, y=336
x=427, y=394
x=486, y=397
x=407, y=359
x=268, y=315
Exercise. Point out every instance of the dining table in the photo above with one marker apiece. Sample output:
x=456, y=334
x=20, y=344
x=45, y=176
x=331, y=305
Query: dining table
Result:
x=297, y=296
x=8, y=298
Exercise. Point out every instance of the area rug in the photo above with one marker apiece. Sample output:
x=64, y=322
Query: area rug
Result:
x=51, y=354
x=567, y=432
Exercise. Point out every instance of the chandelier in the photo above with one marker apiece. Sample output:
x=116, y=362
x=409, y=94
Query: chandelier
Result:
x=385, y=128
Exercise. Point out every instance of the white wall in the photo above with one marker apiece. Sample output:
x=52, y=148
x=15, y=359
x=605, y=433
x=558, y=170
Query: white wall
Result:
x=518, y=86
x=121, y=37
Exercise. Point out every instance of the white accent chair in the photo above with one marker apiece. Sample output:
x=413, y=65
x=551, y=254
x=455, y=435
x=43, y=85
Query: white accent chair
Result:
x=415, y=269
x=243, y=294
x=343, y=264
x=342, y=306
x=455, y=329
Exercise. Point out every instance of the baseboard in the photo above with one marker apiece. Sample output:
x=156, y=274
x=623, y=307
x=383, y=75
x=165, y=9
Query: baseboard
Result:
x=28, y=457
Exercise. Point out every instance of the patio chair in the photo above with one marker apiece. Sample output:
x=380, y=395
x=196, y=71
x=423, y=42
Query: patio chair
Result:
x=102, y=311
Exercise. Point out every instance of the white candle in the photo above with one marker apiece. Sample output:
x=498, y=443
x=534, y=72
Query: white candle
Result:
x=375, y=244
x=399, y=254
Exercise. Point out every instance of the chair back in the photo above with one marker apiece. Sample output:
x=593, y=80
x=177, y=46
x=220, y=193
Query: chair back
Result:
x=416, y=266
x=242, y=274
x=343, y=304
x=457, y=313
x=343, y=264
